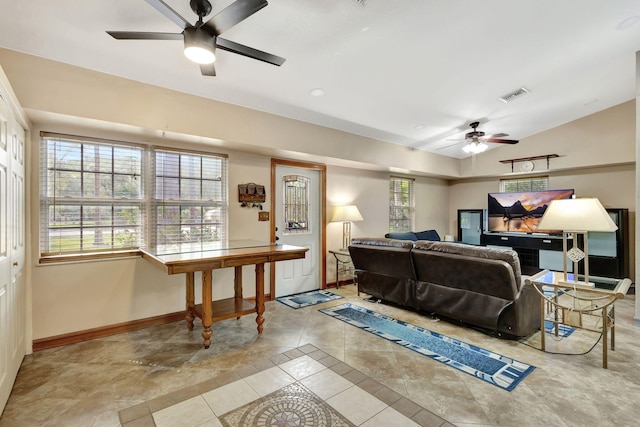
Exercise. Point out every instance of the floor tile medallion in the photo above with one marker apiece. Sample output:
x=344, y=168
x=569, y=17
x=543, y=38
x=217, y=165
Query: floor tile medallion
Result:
x=293, y=405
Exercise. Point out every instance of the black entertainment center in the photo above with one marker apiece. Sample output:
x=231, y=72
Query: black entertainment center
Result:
x=527, y=246
x=608, y=251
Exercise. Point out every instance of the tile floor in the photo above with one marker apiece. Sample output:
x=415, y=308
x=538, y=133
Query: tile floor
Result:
x=310, y=387
x=90, y=383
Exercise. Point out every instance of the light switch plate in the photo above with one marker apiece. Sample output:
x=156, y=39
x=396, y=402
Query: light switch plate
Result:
x=263, y=216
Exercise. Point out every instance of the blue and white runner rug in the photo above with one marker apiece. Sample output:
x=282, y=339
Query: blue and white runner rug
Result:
x=491, y=367
x=306, y=299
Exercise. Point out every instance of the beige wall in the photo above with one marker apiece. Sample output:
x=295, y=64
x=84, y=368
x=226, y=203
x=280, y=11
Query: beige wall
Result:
x=369, y=190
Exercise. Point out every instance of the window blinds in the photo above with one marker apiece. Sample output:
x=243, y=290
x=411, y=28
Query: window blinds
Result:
x=189, y=200
x=91, y=195
x=401, y=204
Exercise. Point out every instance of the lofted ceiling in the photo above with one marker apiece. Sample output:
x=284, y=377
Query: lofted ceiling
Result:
x=410, y=72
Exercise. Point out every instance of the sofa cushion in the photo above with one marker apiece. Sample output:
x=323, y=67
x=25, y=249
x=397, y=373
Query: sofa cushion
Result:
x=507, y=255
x=408, y=235
x=383, y=256
x=378, y=241
x=428, y=235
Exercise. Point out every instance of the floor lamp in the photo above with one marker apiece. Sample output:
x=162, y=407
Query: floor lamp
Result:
x=346, y=215
x=575, y=217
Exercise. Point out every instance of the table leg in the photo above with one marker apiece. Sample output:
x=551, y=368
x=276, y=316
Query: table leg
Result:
x=190, y=301
x=237, y=283
x=260, y=296
x=337, y=271
x=604, y=338
x=207, y=313
x=555, y=310
x=543, y=314
x=613, y=327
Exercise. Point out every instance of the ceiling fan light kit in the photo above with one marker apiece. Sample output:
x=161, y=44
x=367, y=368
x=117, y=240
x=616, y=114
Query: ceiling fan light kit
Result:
x=199, y=46
x=475, y=140
x=475, y=147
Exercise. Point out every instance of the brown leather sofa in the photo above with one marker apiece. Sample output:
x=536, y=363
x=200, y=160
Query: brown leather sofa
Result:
x=473, y=285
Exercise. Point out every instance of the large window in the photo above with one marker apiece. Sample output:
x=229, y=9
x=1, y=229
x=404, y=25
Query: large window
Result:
x=104, y=196
x=401, y=204
x=516, y=185
x=91, y=195
x=190, y=199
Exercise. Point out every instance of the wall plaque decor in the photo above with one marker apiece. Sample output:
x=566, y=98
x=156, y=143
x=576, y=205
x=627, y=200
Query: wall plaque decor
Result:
x=251, y=195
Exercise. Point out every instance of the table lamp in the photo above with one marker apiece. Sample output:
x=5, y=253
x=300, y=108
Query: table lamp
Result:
x=573, y=217
x=346, y=214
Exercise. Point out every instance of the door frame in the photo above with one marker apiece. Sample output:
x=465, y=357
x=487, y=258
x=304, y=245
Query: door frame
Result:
x=323, y=216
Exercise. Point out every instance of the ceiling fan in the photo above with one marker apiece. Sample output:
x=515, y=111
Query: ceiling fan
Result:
x=475, y=140
x=202, y=39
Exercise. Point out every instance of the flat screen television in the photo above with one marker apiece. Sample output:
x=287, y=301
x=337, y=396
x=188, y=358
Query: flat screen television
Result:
x=520, y=212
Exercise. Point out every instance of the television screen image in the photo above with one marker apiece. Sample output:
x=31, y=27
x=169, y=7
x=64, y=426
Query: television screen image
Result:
x=520, y=212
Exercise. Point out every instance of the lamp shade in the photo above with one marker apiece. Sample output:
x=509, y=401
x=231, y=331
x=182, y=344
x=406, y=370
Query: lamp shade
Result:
x=346, y=213
x=576, y=215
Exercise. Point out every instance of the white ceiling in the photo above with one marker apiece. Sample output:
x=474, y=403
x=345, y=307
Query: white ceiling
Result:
x=411, y=72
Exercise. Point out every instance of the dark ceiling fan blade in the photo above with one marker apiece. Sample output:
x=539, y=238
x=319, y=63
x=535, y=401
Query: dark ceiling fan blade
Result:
x=208, y=70
x=232, y=15
x=498, y=135
x=502, y=141
x=138, y=35
x=249, y=52
x=166, y=10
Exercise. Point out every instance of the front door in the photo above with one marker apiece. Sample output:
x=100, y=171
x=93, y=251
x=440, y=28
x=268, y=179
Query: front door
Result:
x=299, y=221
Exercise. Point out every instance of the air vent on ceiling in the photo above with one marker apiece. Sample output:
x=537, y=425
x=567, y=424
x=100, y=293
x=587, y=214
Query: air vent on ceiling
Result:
x=360, y=2
x=513, y=95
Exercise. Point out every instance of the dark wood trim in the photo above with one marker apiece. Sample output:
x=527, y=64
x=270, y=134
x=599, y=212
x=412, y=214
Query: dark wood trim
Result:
x=522, y=159
x=106, y=331
x=342, y=283
x=323, y=215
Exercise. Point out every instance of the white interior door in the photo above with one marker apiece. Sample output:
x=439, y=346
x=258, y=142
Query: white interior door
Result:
x=297, y=218
x=5, y=261
x=12, y=248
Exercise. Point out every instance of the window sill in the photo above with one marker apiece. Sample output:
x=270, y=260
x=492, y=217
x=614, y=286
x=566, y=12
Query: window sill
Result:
x=89, y=256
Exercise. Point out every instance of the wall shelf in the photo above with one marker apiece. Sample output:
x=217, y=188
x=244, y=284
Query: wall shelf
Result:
x=528, y=159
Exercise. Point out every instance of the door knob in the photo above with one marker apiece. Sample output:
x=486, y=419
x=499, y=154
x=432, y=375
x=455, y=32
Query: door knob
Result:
x=15, y=263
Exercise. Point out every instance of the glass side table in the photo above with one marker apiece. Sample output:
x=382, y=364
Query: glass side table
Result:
x=344, y=267
x=589, y=308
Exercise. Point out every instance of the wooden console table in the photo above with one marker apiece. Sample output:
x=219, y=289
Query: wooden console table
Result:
x=569, y=305
x=232, y=254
